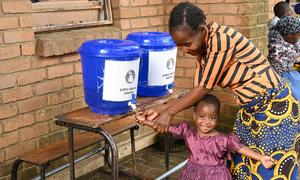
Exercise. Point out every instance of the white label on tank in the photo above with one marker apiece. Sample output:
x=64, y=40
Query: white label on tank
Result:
x=120, y=80
x=162, y=66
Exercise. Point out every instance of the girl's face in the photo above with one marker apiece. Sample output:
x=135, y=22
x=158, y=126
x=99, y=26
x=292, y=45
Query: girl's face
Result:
x=189, y=41
x=206, y=117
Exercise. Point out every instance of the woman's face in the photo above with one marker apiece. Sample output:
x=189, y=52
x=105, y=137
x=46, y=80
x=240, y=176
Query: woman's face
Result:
x=292, y=38
x=189, y=41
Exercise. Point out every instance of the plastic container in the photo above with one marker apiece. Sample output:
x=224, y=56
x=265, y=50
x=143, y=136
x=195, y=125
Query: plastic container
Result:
x=110, y=74
x=158, y=63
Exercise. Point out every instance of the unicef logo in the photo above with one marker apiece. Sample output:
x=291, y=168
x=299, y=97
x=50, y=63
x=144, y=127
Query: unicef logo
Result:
x=130, y=76
x=170, y=63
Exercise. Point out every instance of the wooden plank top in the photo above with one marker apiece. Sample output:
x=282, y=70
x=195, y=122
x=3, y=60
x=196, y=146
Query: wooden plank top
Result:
x=84, y=117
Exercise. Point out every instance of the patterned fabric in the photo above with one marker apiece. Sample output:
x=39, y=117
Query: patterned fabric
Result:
x=272, y=23
x=231, y=60
x=288, y=25
x=269, y=125
x=282, y=55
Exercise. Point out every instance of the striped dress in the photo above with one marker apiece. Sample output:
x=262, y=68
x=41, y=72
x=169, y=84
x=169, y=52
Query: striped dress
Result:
x=268, y=118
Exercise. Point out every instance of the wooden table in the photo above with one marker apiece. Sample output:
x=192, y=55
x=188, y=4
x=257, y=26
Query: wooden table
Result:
x=108, y=126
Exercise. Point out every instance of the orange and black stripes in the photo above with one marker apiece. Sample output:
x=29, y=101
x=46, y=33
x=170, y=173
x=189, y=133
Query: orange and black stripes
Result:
x=233, y=61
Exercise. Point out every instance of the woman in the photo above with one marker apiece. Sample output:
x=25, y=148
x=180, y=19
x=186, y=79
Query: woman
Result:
x=284, y=51
x=268, y=119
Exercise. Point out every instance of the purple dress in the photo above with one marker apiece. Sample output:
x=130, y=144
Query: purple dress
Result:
x=206, y=154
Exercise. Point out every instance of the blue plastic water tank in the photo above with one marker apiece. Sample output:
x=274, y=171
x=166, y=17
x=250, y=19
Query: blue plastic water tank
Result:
x=157, y=67
x=110, y=74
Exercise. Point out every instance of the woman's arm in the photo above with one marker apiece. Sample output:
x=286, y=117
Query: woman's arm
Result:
x=266, y=161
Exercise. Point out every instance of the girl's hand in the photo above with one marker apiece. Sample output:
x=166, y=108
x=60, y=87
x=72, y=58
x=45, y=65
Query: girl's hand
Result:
x=162, y=122
x=139, y=117
x=267, y=161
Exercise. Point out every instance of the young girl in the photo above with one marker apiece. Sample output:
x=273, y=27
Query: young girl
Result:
x=208, y=148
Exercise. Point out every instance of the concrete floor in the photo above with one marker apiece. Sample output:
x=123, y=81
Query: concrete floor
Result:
x=150, y=164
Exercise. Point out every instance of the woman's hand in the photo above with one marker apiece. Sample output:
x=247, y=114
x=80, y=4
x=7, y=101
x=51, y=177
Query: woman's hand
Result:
x=267, y=161
x=163, y=121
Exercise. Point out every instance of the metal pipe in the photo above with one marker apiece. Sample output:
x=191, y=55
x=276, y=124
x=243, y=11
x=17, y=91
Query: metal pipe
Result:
x=60, y=168
x=173, y=170
x=114, y=152
x=71, y=153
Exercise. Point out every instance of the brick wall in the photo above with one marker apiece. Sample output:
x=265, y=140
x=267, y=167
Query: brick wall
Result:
x=40, y=74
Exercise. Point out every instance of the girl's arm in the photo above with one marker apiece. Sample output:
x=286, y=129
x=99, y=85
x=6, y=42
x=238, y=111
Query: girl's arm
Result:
x=266, y=161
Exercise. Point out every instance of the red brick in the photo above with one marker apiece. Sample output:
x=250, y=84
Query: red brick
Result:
x=28, y=48
x=33, y=76
x=224, y=9
x=8, y=110
x=78, y=68
x=7, y=81
x=7, y=52
x=8, y=23
x=169, y=8
x=216, y=18
x=54, y=127
x=79, y=92
x=26, y=21
x=17, y=94
x=73, y=105
x=245, y=9
x=60, y=97
x=48, y=86
x=129, y=12
x=156, y=2
x=189, y=73
x=124, y=3
x=161, y=10
x=72, y=81
x=236, y=20
x=18, y=122
x=179, y=72
x=18, y=149
x=139, y=23
x=48, y=113
x=18, y=36
x=183, y=83
x=33, y=131
x=186, y=63
x=148, y=11
x=124, y=24
x=32, y=104
x=44, y=62
x=239, y=1
x=155, y=21
x=70, y=58
x=60, y=70
x=138, y=2
x=8, y=139
x=2, y=156
x=16, y=6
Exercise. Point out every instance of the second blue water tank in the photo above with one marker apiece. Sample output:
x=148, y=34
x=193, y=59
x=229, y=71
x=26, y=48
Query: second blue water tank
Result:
x=157, y=66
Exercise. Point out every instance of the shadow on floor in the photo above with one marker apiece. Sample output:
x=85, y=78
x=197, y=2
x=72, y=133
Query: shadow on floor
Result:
x=150, y=163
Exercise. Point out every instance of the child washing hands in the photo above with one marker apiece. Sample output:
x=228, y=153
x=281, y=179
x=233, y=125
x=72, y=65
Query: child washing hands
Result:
x=208, y=148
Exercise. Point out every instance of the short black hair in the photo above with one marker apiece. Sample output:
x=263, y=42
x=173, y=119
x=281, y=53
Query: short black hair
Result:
x=280, y=8
x=209, y=99
x=186, y=13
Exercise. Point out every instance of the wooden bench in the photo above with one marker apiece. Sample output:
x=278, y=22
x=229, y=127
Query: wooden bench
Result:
x=91, y=122
x=42, y=157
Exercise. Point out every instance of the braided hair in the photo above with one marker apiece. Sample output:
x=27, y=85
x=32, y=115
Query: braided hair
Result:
x=186, y=14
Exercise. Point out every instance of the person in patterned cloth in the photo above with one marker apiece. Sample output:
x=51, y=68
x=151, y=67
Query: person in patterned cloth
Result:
x=284, y=51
